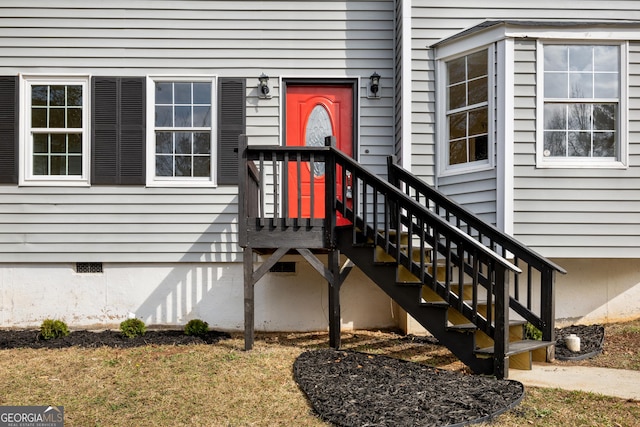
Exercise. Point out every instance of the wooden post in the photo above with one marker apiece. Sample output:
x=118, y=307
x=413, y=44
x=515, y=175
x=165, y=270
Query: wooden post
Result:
x=243, y=189
x=501, y=336
x=548, y=309
x=334, y=299
x=330, y=242
x=249, y=299
x=330, y=194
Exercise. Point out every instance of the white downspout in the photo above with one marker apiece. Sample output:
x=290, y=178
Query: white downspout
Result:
x=407, y=84
x=505, y=136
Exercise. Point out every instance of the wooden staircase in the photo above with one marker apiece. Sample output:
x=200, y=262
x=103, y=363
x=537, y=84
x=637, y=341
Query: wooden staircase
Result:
x=469, y=284
x=434, y=312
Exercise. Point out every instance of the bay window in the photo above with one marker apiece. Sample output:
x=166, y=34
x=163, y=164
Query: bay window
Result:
x=467, y=115
x=583, y=106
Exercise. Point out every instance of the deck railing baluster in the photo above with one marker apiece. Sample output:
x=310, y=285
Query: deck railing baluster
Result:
x=423, y=249
x=447, y=265
x=312, y=177
x=365, y=201
x=490, y=292
x=276, y=201
x=516, y=281
x=375, y=211
x=529, y=286
x=475, y=286
x=434, y=257
x=299, y=187
x=262, y=190
x=461, y=273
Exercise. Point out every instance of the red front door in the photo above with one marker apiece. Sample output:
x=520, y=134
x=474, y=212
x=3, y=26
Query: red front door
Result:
x=314, y=112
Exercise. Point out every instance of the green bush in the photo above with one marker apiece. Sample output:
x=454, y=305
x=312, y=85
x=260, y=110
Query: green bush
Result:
x=51, y=329
x=196, y=327
x=532, y=333
x=132, y=328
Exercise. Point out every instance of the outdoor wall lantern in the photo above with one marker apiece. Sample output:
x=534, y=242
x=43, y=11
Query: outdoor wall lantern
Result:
x=374, y=86
x=263, y=86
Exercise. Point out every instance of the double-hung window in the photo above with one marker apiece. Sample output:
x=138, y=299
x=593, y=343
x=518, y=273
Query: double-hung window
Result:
x=583, y=107
x=181, y=149
x=467, y=112
x=54, y=143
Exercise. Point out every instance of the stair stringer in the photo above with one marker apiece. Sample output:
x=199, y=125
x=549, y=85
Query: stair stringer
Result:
x=432, y=316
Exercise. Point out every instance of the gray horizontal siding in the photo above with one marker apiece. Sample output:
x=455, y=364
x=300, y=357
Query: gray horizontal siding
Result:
x=319, y=39
x=117, y=224
x=574, y=212
x=534, y=211
x=475, y=191
x=106, y=37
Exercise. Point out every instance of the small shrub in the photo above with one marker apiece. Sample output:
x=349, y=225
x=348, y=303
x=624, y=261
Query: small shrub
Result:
x=196, y=327
x=532, y=333
x=51, y=329
x=132, y=328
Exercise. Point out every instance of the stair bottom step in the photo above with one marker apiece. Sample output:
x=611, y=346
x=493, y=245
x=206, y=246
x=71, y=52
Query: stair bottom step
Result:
x=517, y=347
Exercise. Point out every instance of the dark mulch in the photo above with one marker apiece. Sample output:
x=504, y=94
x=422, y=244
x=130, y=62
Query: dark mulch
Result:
x=591, y=341
x=355, y=389
x=348, y=388
x=90, y=339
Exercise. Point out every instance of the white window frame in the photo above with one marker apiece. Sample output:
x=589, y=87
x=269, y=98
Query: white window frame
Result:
x=622, y=159
x=445, y=169
x=25, y=175
x=161, y=181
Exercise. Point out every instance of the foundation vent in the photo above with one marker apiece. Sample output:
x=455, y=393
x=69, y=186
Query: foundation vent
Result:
x=283, y=267
x=88, y=267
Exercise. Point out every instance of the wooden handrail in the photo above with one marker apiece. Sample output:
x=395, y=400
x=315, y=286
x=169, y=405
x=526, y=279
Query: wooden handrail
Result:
x=435, y=222
x=344, y=160
x=505, y=240
x=452, y=210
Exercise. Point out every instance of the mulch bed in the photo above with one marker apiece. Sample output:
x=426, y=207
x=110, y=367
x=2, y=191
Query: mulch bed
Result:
x=348, y=388
x=591, y=342
x=90, y=339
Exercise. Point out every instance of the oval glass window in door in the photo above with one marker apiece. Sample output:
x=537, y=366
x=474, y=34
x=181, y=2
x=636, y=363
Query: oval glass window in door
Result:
x=317, y=129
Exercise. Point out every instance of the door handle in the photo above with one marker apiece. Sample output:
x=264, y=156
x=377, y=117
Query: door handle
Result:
x=349, y=192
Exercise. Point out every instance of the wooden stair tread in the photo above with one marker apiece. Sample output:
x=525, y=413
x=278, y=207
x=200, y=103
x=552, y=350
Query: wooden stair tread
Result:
x=439, y=304
x=463, y=327
x=517, y=347
x=409, y=284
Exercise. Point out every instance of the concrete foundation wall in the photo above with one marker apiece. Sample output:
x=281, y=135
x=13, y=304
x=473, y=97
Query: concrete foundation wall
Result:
x=593, y=291
x=172, y=294
x=597, y=291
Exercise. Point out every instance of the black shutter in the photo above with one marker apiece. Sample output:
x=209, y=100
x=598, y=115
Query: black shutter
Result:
x=9, y=130
x=118, y=126
x=231, y=124
x=104, y=125
x=132, y=131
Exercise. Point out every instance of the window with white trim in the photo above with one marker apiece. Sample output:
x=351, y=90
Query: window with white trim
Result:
x=54, y=143
x=583, y=106
x=181, y=148
x=467, y=115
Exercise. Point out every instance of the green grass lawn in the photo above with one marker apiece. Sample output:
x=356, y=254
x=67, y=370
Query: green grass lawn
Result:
x=222, y=385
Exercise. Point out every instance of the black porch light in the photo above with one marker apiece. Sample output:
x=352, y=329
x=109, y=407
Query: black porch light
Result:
x=263, y=86
x=374, y=86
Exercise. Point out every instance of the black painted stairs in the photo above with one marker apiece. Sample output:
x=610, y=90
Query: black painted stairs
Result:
x=429, y=306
